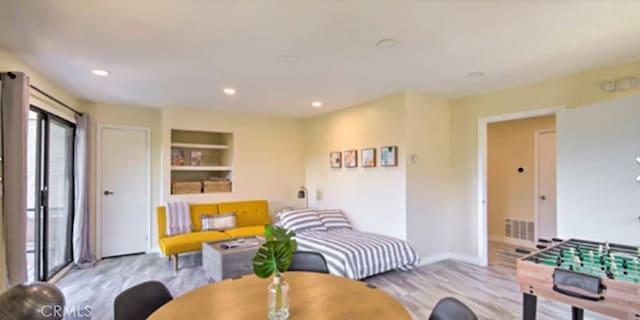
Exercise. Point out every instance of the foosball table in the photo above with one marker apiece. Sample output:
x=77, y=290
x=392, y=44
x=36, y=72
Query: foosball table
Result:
x=600, y=277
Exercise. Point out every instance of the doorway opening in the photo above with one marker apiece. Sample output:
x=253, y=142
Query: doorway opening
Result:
x=50, y=194
x=516, y=183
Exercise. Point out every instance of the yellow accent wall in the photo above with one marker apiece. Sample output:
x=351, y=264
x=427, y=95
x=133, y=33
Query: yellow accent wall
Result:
x=572, y=91
x=511, y=194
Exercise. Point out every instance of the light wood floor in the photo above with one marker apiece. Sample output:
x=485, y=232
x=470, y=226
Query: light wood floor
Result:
x=491, y=292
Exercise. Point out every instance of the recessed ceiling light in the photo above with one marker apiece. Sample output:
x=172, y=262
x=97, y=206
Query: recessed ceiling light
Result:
x=387, y=43
x=316, y=104
x=288, y=58
x=229, y=91
x=475, y=74
x=100, y=72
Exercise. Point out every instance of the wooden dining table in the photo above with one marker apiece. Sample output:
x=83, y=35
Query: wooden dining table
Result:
x=311, y=296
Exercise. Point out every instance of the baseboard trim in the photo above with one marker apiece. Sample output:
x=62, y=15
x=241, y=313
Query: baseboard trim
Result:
x=434, y=258
x=451, y=256
x=468, y=259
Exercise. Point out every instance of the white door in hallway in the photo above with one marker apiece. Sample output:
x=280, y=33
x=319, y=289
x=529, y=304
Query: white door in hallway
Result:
x=546, y=183
x=123, y=190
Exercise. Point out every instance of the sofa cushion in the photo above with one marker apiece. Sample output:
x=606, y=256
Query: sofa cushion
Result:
x=198, y=209
x=189, y=241
x=248, y=213
x=195, y=210
x=245, y=232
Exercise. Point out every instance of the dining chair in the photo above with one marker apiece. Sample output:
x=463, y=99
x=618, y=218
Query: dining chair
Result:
x=140, y=301
x=308, y=261
x=452, y=309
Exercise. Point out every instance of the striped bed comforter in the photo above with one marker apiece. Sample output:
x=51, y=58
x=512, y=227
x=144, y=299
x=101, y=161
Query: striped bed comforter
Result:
x=358, y=255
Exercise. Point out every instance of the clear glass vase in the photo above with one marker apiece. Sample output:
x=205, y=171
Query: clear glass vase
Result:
x=278, y=299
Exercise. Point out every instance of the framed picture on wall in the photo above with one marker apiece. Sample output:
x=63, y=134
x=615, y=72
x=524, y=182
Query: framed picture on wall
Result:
x=368, y=157
x=389, y=156
x=351, y=159
x=335, y=159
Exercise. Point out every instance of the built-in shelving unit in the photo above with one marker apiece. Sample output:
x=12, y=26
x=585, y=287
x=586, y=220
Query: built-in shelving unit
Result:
x=201, y=156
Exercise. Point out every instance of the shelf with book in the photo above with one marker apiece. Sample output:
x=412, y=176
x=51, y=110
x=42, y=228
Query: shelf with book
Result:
x=201, y=156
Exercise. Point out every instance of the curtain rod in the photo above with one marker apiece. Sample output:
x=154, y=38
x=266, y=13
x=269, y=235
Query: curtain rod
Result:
x=13, y=76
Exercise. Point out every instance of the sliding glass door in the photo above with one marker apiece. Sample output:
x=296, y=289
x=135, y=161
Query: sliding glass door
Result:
x=51, y=195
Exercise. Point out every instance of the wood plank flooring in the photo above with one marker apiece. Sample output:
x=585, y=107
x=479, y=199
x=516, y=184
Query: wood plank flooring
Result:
x=491, y=292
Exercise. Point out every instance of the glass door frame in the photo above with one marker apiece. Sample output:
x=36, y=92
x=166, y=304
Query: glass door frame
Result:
x=41, y=197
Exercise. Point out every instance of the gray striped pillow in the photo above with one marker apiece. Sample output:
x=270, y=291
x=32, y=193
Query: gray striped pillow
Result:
x=300, y=220
x=334, y=219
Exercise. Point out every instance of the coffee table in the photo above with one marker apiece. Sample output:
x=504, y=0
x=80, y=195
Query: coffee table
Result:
x=220, y=263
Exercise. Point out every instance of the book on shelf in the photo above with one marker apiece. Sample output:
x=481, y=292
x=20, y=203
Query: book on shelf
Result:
x=195, y=158
x=177, y=157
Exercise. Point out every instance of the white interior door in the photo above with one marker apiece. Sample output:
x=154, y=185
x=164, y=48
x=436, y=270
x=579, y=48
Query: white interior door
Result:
x=124, y=170
x=546, y=189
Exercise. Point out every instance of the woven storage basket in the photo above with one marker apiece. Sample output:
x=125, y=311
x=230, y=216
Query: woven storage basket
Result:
x=186, y=187
x=216, y=186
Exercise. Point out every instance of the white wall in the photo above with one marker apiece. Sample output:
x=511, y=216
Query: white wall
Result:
x=373, y=198
x=598, y=197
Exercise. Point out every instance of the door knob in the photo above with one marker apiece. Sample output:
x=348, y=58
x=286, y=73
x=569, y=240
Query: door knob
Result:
x=543, y=197
x=108, y=193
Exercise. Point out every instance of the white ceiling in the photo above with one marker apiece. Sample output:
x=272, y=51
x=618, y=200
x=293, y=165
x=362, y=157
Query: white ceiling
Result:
x=183, y=52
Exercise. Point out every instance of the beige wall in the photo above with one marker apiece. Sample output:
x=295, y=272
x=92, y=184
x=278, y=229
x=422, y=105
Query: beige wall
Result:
x=118, y=115
x=373, y=198
x=428, y=174
x=572, y=91
x=408, y=201
x=268, y=155
x=510, y=145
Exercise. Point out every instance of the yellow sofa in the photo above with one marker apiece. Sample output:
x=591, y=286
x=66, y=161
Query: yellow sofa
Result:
x=251, y=216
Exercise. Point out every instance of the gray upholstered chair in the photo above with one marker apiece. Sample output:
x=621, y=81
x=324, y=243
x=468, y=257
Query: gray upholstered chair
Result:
x=308, y=261
x=452, y=309
x=140, y=301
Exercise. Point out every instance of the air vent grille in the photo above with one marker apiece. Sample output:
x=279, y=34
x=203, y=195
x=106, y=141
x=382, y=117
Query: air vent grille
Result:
x=519, y=229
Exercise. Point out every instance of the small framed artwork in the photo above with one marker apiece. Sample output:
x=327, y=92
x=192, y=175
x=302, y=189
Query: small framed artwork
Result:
x=335, y=159
x=389, y=156
x=195, y=158
x=368, y=157
x=351, y=159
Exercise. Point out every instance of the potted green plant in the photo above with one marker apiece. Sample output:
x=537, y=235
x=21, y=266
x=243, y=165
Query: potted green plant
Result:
x=274, y=258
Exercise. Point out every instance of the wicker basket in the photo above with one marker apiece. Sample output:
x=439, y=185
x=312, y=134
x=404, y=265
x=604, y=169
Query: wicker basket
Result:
x=216, y=186
x=186, y=187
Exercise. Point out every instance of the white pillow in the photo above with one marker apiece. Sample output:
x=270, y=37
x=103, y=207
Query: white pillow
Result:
x=300, y=220
x=218, y=222
x=334, y=219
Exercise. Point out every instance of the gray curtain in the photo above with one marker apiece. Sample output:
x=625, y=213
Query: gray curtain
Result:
x=82, y=254
x=14, y=105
